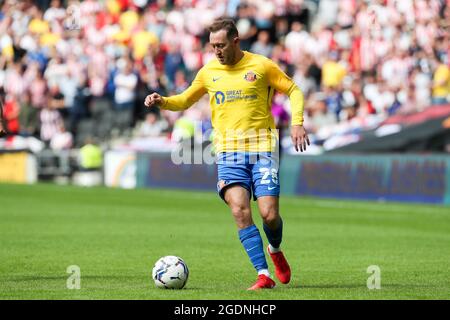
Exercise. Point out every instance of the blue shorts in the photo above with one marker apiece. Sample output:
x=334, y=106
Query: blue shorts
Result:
x=256, y=172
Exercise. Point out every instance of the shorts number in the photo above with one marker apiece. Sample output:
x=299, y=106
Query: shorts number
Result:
x=273, y=173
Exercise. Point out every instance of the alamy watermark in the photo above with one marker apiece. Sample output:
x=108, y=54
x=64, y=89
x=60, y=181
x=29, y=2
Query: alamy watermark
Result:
x=72, y=21
x=209, y=147
x=374, y=281
x=74, y=280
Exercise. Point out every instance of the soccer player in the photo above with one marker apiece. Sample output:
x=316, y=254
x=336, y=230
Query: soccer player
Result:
x=240, y=85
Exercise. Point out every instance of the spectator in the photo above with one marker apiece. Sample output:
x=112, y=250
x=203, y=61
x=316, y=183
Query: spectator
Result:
x=28, y=116
x=14, y=80
x=55, y=12
x=142, y=41
x=295, y=41
x=61, y=140
x=332, y=71
x=421, y=81
x=38, y=91
x=11, y=111
x=51, y=121
x=172, y=63
x=441, y=83
x=91, y=156
x=125, y=94
x=408, y=106
x=3, y=131
x=152, y=126
x=319, y=117
x=246, y=25
x=304, y=80
x=262, y=45
x=55, y=98
x=333, y=101
x=80, y=108
x=181, y=83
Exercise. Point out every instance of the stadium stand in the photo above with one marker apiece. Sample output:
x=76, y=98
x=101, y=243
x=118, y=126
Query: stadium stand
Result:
x=66, y=66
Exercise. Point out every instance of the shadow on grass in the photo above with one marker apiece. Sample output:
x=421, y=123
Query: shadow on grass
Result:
x=64, y=277
x=326, y=286
x=357, y=286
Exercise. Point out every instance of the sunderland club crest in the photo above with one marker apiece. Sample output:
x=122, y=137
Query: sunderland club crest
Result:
x=250, y=76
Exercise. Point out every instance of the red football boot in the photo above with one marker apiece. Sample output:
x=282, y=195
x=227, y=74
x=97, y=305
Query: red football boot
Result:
x=282, y=269
x=263, y=282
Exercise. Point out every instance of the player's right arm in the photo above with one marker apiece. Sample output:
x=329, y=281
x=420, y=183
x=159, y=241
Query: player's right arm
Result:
x=180, y=101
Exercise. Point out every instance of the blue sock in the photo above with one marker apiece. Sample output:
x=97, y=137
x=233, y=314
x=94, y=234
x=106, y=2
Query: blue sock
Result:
x=274, y=236
x=253, y=245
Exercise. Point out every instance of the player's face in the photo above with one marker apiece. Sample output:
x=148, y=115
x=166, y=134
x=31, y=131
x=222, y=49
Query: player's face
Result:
x=224, y=48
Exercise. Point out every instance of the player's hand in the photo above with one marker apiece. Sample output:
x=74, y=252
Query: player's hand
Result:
x=299, y=138
x=152, y=100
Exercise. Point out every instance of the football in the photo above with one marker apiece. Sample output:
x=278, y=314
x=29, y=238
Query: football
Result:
x=170, y=272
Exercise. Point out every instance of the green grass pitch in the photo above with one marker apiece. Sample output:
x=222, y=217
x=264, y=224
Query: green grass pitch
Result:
x=115, y=236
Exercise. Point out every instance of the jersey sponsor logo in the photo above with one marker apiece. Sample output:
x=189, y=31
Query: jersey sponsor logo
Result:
x=235, y=95
x=214, y=79
x=250, y=76
x=220, y=97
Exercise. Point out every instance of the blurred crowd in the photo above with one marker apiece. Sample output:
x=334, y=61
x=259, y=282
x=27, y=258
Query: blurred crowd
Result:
x=71, y=70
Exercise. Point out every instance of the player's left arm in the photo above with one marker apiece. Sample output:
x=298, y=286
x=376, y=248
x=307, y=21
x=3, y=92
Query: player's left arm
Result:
x=281, y=82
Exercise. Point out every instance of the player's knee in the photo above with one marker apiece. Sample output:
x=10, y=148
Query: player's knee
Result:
x=240, y=210
x=270, y=216
x=241, y=214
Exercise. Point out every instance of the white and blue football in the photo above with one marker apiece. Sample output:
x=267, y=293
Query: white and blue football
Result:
x=170, y=272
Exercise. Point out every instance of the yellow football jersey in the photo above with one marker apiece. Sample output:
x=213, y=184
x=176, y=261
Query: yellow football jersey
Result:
x=241, y=98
